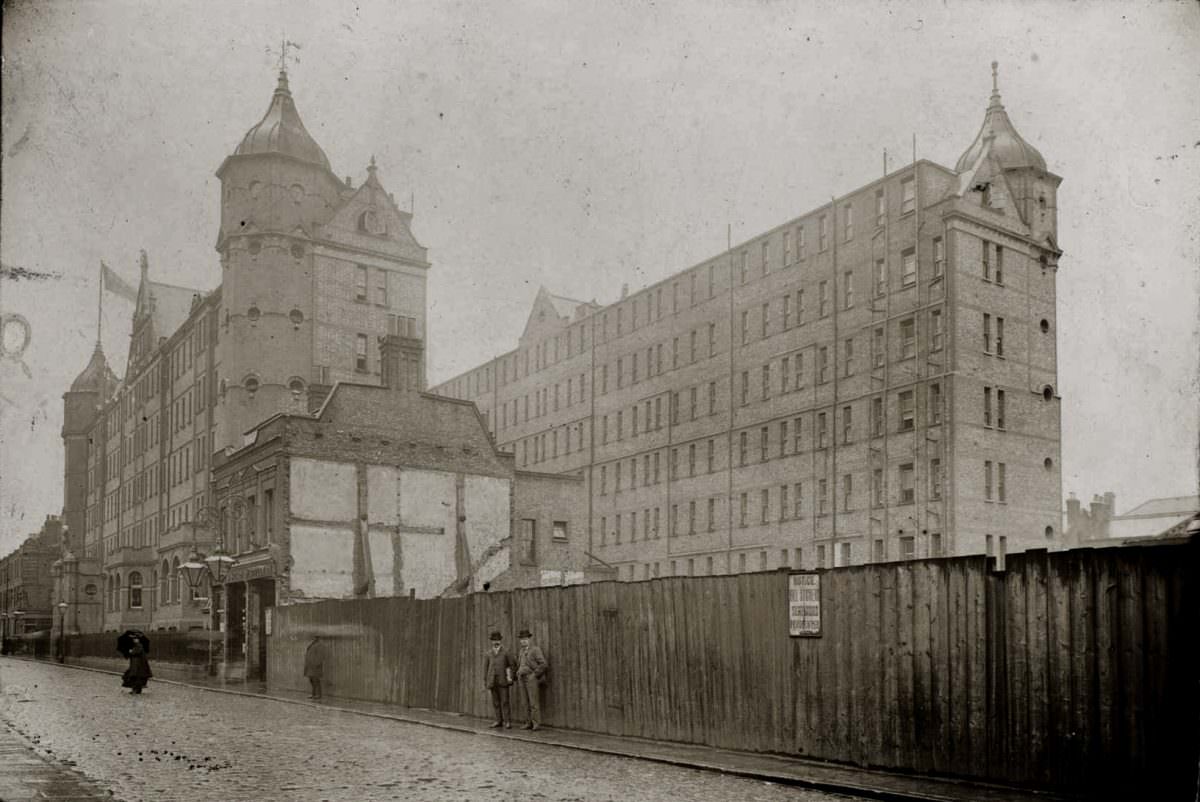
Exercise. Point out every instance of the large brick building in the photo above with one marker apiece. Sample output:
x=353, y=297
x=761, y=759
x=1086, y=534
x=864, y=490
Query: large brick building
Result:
x=872, y=380
x=314, y=271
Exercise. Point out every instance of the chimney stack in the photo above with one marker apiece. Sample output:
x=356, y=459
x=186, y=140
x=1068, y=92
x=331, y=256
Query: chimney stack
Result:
x=402, y=362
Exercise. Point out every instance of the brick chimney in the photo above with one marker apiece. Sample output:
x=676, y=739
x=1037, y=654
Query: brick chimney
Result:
x=402, y=361
x=1074, y=517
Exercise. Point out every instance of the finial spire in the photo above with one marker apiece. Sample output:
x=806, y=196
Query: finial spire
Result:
x=371, y=166
x=995, y=81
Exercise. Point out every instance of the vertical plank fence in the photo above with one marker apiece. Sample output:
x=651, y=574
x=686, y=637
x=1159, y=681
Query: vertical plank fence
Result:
x=1073, y=671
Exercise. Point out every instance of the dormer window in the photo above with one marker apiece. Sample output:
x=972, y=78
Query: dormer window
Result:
x=370, y=222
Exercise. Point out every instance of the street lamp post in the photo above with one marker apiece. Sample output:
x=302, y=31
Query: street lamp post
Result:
x=216, y=567
x=62, y=632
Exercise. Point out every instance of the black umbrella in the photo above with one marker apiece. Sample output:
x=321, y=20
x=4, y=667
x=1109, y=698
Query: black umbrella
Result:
x=125, y=641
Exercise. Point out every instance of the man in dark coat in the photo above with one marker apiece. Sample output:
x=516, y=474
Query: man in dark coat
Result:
x=314, y=665
x=531, y=667
x=498, y=668
x=138, y=673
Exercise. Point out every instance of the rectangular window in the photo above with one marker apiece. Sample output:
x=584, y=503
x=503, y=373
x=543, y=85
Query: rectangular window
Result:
x=1000, y=409
x=987, y=480
x=822, y=430
x=908, y=547
x=822, y=233
x=797, y=500
x=907, y=493
x=848, y=222
x=764, y=505
x=799, y=307
x=691, y=517
x=908, y=196
x=987, y=406
x=745, y=266
x=999, y=336
x=764, y=448
x=783, y=506
x=877, y=417
x=691, y=459
x=848, y=357
x=905, y=408
x=745, y=387
x=880, y=278
x=847, y=491
x=939, y=257
x=847, y=424
x=799, y=363
x=848, y=289
x=360, y=353
x=744, y=501
x=936, y=330
x=1001, y=495
x=559, y=530
x=783, y=437
x=801, y=243
x=908, y=268
x=987, y=260
x=712, y=339
x=822, y=364
x=935, y=479
x=823, y=299
x=787, y=248
x=786, y=311
x=766, y=319
x=381, y=293
x=908, y=338
x=693, y=394
x=742, y=447
x=877, y=487
x=935, y=544
x=766, y=258
x=880, y=208
x=712, y=514
x=999, y=276
x=711, y=456
x=822, y=497
x=797, y=446
x=360, y=283
x=880, y=554
x=712, y=398
x=634, y=369
x=935, y=404
x=785, y=374
x=987, y=333
x=766, y=381
x=620, y=372
x=878, y=349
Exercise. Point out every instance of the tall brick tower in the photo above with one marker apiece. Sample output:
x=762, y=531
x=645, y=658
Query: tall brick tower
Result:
x=314, y=272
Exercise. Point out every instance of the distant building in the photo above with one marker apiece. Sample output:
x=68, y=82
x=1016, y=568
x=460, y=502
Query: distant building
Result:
x=26, y=602
x=314, y=271
x=873, y=380
x=385, y=491
x=1099, y=524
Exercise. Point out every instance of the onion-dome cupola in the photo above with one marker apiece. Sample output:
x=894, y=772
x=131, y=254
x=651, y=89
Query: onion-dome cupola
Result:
x=97, y=377
x=1009, y=150
x=282, y=131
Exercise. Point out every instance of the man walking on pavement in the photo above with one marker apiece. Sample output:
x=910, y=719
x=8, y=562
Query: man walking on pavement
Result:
x=531, y=666
x=498, y=667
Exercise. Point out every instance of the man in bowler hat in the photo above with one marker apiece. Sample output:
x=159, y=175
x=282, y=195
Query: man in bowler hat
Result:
x=498, y=668
x=531, y=666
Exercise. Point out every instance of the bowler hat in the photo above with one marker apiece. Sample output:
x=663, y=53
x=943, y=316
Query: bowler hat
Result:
x=524, y=633
x=495, y=636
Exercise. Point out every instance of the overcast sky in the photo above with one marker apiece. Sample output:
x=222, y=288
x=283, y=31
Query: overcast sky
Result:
x=582, y=145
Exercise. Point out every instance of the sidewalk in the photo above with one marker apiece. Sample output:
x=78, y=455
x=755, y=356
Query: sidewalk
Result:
x=30, y=776
x=790, y=771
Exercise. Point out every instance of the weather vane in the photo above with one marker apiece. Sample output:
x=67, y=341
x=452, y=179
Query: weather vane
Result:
x=282, y=53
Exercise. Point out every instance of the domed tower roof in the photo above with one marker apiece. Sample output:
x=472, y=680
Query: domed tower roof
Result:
x=281, y=131
x=97, y=377
x=1007, y=146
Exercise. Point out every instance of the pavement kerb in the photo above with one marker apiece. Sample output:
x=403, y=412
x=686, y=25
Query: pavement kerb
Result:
x=862, y=790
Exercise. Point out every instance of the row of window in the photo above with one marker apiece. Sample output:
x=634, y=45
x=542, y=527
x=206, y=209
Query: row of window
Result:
x=906, y=549
x=647, y=307
x=167, y=580
x=363, y=286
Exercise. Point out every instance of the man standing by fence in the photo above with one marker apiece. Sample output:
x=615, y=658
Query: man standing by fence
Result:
x=314, y=665
x=498, y=667
x=531, y=667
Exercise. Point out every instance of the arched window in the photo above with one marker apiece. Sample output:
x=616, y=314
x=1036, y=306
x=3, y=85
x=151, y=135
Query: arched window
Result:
x=135, y=590
x=175, y=581
x=164, y=589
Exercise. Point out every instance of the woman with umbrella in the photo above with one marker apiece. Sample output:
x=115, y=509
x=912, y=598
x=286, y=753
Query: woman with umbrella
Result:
x=135, y=645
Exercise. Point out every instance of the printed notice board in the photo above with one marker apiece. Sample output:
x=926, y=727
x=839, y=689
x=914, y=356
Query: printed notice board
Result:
x=804, y=604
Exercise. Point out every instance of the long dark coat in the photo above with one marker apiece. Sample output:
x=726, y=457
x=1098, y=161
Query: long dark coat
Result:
x=138, y=673
x=314, y=660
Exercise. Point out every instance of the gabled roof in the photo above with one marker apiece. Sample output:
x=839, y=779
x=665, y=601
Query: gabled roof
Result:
x=566, y=307
x=170, y=306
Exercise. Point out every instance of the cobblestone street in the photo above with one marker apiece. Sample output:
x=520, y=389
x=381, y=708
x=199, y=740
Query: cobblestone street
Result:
x=177, y=742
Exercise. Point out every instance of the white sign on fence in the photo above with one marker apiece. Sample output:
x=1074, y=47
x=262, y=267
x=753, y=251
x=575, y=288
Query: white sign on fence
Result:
x=804, y=604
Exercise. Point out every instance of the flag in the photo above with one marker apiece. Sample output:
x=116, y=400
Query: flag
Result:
x=115, y=284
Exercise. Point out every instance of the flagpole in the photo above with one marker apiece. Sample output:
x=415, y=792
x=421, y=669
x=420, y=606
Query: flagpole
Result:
x=100, y=306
